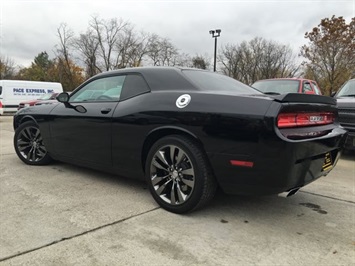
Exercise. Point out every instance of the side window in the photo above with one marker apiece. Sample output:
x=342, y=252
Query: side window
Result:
x=316, y=89
x=307, y=87
x=105, y=89
x=134, y=85
x=0, y=90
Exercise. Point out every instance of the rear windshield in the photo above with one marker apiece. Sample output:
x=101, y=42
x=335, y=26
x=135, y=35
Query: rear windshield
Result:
x=209, y=81
x=277, y=86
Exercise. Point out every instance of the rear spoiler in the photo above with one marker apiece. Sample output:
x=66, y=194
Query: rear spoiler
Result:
x=304, y=98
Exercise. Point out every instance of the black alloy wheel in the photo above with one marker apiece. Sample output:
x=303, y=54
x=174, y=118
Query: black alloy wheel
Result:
x=29, y=144
x=178, y=174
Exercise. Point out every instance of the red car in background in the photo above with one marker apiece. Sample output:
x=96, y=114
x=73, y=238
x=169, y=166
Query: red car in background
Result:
x=287, y=85
x=45, y=97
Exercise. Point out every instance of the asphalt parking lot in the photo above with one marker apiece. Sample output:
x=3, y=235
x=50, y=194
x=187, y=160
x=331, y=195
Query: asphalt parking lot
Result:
x=66, y=215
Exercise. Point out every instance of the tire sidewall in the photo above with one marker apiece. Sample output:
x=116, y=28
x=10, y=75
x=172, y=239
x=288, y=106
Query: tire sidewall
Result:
x=45, y=160
x=199, y=172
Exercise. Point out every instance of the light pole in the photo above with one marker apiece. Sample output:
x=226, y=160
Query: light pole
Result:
x=215, y=34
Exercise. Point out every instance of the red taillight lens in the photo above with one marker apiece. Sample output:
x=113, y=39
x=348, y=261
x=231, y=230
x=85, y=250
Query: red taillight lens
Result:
x=0, y=104
x=241, y=163
x=304, y=119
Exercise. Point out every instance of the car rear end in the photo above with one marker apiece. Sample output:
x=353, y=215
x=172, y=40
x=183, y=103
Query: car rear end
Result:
x=299, y=141
x=45, y=97
x=26, y=104
x=46, y=102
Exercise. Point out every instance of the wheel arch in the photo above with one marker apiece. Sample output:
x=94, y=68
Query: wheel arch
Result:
x=22, y=120
x=161, y=132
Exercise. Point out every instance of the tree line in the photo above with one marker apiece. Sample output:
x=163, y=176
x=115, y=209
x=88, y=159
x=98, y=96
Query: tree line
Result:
x=108, y=44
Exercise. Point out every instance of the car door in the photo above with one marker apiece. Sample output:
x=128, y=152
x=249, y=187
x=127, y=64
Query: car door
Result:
x=81, y=129
x=128, y=127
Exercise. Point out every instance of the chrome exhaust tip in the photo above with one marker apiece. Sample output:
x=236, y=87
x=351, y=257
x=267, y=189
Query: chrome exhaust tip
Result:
x=289, y=193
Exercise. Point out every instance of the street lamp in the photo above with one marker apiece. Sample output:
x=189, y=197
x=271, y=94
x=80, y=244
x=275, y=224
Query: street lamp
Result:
x=215, y=34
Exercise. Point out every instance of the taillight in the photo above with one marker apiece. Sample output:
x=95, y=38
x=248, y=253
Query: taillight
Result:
x=303, y=119
x=241, y=163
x=0, y=104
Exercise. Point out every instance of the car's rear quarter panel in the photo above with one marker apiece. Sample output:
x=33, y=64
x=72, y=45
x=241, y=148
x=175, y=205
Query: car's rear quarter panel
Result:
x=227, y=125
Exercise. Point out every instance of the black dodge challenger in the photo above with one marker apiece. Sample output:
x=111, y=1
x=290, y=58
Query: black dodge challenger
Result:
x=188, y=132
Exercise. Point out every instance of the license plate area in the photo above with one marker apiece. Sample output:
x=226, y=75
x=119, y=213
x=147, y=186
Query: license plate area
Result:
x=328, y=162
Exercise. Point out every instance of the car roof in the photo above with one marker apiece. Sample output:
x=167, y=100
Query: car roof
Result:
x=148, y=69
x=158, y=78
x=298, y=79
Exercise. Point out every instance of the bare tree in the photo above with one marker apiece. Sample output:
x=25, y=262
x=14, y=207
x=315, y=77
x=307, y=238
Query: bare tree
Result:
x=139, y=49
x=183, y=60
x=124, y=45
x=162, y=52
x=65, y=37
x=230, y=58
x=154, y=49
x=257, y=59
x=88, y=46
x=107, y=33
x=131, y=47
x=69, y=73
x=169, y=53
x=277, y=61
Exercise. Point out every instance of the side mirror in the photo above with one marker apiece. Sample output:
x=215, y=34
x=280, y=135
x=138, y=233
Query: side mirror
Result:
x=63, y=97
x=333, y=94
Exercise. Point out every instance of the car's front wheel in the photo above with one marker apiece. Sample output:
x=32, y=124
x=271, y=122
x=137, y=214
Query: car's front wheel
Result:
x=179, y=175
x=29, y=144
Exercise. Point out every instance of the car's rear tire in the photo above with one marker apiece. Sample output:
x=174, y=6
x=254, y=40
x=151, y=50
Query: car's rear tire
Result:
x=29, y=144
x=178, y=173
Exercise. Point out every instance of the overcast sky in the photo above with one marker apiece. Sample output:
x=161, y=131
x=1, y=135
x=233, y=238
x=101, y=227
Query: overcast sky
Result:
x=28, y=27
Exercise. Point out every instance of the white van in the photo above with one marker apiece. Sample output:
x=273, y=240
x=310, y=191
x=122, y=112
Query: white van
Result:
x=12, y=92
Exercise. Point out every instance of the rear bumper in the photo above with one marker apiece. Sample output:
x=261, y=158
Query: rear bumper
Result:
x=278, y=166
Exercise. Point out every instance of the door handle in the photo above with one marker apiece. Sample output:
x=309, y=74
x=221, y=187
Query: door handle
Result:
x=105, y=110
